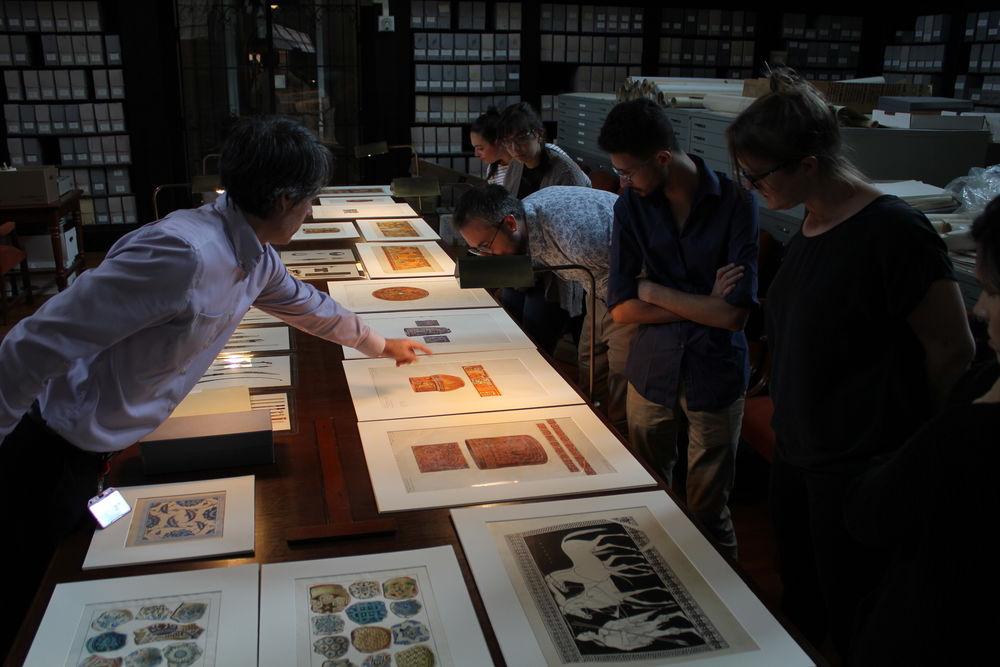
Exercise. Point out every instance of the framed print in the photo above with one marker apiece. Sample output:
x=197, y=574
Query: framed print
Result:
x=613, y=580
x=325, y=231
x=395, y=260
x=495, y=456
x=356, y=200
x=241, y=370
x=320, y=271
x=355, y=190
x=400, y=608
x=277, y=404
x=178, y=522
x=449, y=384
x=412, y=229
x=408, y=294
x=449, y=331
x=255, y=316
x=258, y=339
x=363, y=210
x=333, y=256
x=198, y=618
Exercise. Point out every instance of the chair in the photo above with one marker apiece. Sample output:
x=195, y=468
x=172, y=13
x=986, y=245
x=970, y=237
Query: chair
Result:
x=11, y=256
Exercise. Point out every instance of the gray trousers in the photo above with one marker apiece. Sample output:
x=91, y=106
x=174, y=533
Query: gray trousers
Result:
x=610, y=353
x=713, y=436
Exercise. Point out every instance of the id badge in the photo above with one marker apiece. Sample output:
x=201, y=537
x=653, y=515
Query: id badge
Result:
x=108, y=506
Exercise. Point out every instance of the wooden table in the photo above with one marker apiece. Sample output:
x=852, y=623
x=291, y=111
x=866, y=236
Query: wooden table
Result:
x=290, y=494
x=41, y=219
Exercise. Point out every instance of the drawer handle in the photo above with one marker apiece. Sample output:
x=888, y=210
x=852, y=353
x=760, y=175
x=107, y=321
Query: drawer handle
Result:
x=697, y=150
x=695, y=136
x=701, y=125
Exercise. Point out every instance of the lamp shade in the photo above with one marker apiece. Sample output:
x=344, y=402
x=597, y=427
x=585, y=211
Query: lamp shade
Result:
x=495, y=271
x=415, y=186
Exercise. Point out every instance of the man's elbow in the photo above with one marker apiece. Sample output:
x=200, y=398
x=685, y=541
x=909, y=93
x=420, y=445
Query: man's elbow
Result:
x=621, y=314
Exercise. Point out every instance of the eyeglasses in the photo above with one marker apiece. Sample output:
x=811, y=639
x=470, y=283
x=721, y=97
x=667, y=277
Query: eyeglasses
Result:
x=627, y=176
x=518, y=140
x=484, y=250
x=754, y=181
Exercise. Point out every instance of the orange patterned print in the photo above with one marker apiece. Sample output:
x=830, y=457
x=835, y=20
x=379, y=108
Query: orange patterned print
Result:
x=506, y=451
x=560, y=451
x=577, y=454
x=436, y=382
x=481, y=380
x=406, y=258
x=400, y=293
x=396, y=228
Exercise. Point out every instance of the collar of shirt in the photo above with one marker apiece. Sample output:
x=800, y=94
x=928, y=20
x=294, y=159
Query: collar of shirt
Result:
x=708, y=186
x=246, y=245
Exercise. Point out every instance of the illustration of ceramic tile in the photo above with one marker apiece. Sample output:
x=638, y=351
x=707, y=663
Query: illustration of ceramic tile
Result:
x=176, y=518
x=396, y=228
x=506, y=451
x=406, y=258
x=442, y=456
x=400, y=293
x=180, y=630
x=369, y=618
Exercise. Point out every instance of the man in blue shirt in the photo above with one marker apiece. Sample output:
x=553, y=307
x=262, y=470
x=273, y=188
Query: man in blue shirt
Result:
x=104, y=363
x=557, y=225
x=684, y=267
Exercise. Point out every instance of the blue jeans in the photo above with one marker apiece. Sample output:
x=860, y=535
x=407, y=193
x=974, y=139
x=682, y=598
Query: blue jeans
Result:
x=541, y=319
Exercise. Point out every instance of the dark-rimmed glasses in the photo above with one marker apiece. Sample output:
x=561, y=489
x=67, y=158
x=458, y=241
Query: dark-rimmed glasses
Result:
x=755, y=180
x=484, y=250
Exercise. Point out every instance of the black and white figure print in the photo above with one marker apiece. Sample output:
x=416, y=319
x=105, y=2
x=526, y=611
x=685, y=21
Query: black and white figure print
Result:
x=606, y=594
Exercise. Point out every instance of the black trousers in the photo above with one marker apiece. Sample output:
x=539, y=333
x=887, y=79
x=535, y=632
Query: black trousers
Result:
x=824, y=571
x=45, y=483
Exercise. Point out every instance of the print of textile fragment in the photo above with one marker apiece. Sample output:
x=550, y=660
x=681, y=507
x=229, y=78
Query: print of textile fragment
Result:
x=427, y=323
x=406, y=258
x=506, y=451
x=400, y=293
x=176, y=518
x=425, y=331
x=436, y=339
x=438, y=457
x=395, y=228
x=481, y=380
x=607, y=594
x=322, y=230
x=436, y=382
x=577, y=454
x=557, y=446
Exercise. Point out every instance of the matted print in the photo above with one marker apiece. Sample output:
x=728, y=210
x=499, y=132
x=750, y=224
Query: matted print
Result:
x=355, y=190
x=455, y=384
x=277, y=405
x=201, y=618
x=478, y=458
x=362, y=210
x=327, y=271
x=258, y=339
x=614, y=580
x=332, y=256
x=356, y=200
x=178, y=521
x=406, y=608
x=412, y=229
x=325, y=231
x=408, y=294
x=241, y=370
x=392, y=260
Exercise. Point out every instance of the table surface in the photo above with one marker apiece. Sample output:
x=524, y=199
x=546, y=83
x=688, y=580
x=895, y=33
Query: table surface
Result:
x=289, y=494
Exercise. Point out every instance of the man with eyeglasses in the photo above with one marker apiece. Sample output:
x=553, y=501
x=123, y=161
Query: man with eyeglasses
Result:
x=683, y=266
x=535, y=164
x=557, y=225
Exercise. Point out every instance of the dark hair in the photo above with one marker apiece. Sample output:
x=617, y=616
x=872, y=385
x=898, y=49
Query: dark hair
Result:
x=637, y=127
x=487, y=125
x=267, y=157
x=986, y=234
x=491, y=203
x=791, y=122
x=518, y=119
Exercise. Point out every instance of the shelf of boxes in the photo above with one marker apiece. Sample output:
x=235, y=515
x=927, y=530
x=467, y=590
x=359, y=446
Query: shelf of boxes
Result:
x=64, y=92
x=707, y=43
x=822, y=47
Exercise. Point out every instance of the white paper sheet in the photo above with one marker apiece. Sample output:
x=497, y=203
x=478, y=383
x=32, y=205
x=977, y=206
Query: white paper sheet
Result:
x=611, y=580
x=455, y=384
x=417, y=597
x=356, y=200
x=221, y=603
x=240, y=370
x=449, y=331
x=333, y=256
x=352, y=190
x=353, y=212
x=495, y=456
x=408, y=294
x=277, y=405
x=325, y=231
x=258, y=339
x=397, y=229
x=320, y=271
x=410, y=259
